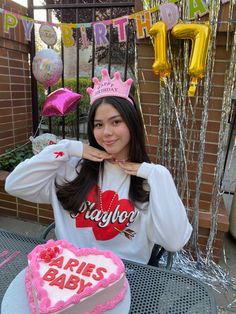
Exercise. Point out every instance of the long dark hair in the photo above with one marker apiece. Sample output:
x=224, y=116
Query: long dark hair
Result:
x=72, y=194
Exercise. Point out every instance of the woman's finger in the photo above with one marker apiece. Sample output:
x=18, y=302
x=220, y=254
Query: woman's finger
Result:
x=94, y=158
x=94, y=154
x=100, y=154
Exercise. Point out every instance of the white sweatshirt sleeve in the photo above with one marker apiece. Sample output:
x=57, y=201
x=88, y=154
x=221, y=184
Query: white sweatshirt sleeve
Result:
x=168, y=224
x=34, y=179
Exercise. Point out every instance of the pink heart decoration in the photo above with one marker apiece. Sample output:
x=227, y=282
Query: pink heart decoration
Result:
x=60, y=102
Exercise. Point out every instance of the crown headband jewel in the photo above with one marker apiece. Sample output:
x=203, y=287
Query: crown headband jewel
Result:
x=109, y=87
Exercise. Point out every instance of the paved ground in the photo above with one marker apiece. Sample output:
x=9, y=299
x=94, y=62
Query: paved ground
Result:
x=229, y=181
x=228, y=262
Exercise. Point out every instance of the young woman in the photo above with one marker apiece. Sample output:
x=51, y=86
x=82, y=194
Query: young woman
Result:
x=107, y=194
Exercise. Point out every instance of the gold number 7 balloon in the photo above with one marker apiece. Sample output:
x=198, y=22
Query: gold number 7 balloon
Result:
x=200, y=36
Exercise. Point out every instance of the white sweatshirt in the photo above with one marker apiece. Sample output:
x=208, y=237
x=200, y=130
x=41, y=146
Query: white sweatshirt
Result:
x=162, y=220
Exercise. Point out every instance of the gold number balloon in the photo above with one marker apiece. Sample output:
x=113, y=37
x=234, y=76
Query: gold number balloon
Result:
x=160, y=65
x=200, y=36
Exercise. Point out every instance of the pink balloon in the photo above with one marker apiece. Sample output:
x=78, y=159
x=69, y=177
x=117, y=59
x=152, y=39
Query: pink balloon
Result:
x=60, y=102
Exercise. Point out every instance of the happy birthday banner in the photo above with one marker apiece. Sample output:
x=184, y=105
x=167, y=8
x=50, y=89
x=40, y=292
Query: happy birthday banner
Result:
x=168, y=12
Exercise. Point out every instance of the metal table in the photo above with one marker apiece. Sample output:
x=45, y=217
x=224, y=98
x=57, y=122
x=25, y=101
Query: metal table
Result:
x=153, y=290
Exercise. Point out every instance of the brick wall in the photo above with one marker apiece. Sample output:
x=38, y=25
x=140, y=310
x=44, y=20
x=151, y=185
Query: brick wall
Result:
x=15, y=85
x=18, y=208
x=15, y=111
x=149, y=95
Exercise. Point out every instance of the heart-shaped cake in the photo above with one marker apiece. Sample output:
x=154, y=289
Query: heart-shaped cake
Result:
x=63, y=279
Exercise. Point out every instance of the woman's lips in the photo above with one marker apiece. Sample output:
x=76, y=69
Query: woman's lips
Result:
x=109, y=143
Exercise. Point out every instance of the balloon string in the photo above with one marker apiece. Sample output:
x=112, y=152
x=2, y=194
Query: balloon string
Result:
x=182, y=140
x=15, y=149
x=138, y=92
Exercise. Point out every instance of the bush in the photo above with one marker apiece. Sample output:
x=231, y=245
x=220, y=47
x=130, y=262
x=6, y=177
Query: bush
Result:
x=13, y=156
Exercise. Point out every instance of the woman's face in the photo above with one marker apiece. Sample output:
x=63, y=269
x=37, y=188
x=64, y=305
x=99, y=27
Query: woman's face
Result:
x=111, y=132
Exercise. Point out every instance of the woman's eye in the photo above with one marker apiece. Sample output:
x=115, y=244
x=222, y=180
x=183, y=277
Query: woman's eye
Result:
x=117, y=122
x=97, y=125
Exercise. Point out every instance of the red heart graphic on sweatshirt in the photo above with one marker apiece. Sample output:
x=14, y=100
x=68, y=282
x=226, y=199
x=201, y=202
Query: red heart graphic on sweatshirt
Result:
x=108, y=221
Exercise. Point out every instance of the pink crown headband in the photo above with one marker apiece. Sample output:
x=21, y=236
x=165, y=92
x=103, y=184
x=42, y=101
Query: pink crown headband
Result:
x=109, y=87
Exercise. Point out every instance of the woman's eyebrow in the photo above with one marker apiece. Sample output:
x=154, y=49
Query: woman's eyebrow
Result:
x=111, y=118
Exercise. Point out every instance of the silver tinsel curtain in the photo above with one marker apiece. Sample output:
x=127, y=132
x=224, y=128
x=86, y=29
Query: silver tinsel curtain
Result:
x=182, y=136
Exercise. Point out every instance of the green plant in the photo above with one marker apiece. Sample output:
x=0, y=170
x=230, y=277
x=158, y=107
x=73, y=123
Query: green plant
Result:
x=13, y=156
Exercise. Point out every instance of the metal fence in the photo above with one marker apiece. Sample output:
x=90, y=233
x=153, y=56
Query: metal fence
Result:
x=81, y=64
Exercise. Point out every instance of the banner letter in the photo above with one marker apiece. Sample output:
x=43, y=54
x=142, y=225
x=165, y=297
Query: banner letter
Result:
x=120, y=23
x=84, y=38
x=67, y=35
x=196, y=8
x=10, y=21
x=100, y=32
x=143, y=23
x=28, y=25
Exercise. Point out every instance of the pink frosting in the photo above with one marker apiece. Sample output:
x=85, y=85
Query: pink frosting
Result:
x=29, y=292
x=44, y=298
x=112, y=303
x=101, y=308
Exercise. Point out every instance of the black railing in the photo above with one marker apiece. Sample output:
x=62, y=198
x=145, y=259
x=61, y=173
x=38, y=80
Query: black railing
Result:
x=104, y=57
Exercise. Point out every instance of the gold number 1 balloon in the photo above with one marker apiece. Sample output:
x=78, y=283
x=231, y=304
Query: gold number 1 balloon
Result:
x=160, y=65
x=200, y=36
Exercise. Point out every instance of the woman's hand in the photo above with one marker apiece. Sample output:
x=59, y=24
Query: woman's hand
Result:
x=129, y=167
x=94, y=154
